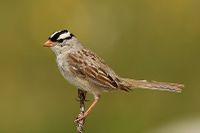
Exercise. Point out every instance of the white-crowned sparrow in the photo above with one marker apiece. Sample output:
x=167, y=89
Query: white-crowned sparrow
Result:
x=87, y=71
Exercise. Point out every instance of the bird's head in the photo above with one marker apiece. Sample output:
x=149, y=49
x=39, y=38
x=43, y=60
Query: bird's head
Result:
x=59, y=38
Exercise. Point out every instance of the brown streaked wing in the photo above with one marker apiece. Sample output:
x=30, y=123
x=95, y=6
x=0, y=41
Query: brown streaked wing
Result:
x=99, y=78
x=87, y=64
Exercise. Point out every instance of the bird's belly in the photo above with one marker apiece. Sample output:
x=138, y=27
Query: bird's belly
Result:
x=78, y=82
x=75, y=80
x=83, y=84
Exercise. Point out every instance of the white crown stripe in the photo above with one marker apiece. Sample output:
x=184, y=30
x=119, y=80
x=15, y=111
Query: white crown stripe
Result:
x=63, y=36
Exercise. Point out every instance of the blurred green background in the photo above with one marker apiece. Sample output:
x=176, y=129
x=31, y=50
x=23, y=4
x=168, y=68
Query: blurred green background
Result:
x=143, y=39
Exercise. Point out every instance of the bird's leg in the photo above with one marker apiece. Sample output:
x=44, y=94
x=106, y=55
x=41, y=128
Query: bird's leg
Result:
x=88, y=110
x=91, y=107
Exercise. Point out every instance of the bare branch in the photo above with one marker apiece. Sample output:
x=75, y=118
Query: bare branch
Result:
x=80, y=124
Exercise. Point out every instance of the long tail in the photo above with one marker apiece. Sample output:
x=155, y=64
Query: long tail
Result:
x=153, y=85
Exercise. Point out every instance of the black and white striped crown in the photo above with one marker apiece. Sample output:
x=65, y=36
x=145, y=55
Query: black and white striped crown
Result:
x=60, y=36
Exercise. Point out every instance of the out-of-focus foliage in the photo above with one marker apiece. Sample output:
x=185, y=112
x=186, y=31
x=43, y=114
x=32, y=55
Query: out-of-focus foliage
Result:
x=154, y=40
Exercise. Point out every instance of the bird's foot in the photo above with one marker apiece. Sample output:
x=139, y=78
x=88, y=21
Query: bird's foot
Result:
x=81, y=117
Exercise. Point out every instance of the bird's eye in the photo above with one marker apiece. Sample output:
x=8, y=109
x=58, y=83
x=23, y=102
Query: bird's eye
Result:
x=60, y=40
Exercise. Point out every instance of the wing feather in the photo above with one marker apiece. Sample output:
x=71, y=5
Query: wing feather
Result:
x=87, y=64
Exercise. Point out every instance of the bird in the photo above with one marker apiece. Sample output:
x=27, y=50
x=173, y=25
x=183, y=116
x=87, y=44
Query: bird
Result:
x=87, y=71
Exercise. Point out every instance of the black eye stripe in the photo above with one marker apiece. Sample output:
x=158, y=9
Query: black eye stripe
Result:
x=60, y=41
x=54, y=37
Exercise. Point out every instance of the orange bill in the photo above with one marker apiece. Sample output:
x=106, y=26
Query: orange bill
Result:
x=48, y=43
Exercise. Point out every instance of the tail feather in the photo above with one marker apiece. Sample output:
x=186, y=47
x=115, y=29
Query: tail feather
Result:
x=153, y=85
